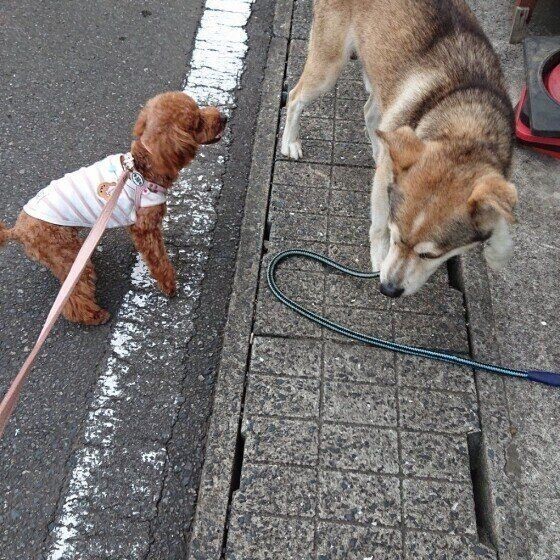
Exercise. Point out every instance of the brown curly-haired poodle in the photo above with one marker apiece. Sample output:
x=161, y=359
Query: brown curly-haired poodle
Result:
x=168, y=132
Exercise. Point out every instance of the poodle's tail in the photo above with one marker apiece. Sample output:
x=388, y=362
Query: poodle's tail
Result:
x=5, y=233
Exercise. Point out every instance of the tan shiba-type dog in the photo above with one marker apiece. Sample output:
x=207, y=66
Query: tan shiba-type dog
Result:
x=440, y=123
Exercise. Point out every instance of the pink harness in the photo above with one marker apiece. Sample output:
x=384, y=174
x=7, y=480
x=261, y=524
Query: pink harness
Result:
x=142, y=186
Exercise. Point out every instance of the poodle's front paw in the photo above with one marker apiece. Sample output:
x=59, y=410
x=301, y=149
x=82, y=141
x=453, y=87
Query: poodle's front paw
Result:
x=100, y=317
x=168, y=284
x=292, y=149
x=90, y=317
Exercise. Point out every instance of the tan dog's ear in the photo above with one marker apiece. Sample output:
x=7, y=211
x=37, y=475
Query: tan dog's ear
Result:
x=492, y=196
x=405, y=148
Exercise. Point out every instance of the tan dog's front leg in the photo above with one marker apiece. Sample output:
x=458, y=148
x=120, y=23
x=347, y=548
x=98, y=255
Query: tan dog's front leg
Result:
x=148, y=239
x=379, y=231
x=329, y=50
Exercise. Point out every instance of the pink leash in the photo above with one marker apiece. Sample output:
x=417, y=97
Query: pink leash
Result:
x=10, y=398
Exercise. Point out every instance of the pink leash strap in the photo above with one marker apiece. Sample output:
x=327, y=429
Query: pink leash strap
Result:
x=10, y=398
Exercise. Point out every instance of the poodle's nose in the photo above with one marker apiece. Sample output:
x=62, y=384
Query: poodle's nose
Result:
x=390, y=290
x=223, y=120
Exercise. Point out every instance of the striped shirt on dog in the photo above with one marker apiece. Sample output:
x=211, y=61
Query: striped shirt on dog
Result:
x=78, y=198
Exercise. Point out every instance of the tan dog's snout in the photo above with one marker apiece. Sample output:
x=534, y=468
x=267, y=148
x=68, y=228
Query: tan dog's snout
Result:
x=391, y=290
x=404, y=271
x=404, y=274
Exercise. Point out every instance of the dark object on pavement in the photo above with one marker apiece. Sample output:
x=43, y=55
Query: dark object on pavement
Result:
x=538, y=112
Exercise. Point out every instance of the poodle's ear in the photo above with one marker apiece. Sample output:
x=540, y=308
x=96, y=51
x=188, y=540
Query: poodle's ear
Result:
x=210, y=122
x=171, y=150
x=140, y=125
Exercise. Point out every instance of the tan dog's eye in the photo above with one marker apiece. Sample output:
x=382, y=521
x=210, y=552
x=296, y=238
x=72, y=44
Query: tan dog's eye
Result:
x=428, y=256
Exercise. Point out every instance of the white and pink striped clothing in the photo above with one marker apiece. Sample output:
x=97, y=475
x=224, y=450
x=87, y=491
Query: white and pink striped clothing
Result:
x=79, y=197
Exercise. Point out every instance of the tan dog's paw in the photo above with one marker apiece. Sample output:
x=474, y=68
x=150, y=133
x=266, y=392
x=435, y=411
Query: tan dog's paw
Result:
x=498, y=257
x=292, y=150
x=379, y=247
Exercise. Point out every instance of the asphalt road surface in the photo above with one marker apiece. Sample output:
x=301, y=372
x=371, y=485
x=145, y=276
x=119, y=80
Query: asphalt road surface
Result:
x=74, y=75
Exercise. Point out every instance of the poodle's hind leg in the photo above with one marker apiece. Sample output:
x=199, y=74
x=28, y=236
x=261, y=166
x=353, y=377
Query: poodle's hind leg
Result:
x=56, y=247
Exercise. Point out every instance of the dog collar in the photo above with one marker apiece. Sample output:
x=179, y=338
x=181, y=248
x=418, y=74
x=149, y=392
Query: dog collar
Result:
x=140, y=184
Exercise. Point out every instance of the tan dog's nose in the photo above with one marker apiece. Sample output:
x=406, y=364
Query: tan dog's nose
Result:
x=390, y=290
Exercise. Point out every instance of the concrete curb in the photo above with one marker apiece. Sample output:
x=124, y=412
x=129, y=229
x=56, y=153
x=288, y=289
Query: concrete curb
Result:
x=501, y=514
x=222, y=442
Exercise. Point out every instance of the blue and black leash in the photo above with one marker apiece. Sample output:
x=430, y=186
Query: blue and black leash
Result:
x=546, y=377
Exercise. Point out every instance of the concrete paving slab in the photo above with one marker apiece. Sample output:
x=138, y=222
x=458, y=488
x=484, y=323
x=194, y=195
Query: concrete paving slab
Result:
x=438, y=411
x=439, y=506
x=299, y=358
x=354, y=256
x=359, y=403
x=291, y=198
x=264, y=538
x=278, y=440
x=282, y=396
x=359, y=498
x=273, y=318
x=278, y=490
x=359, y=448
x=351, y=178
x=430, y=455
x=352, y=542
x=302, y=174
x=357, y=362
x=420, y=545
x=427, y=374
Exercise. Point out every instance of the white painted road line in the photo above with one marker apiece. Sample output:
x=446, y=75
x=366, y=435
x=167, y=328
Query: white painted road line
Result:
x=145, y=321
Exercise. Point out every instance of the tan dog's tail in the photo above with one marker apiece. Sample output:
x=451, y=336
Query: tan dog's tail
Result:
x=5, y=233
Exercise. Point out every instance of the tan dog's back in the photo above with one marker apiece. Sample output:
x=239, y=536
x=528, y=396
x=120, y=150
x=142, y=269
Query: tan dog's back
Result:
x=392, y=37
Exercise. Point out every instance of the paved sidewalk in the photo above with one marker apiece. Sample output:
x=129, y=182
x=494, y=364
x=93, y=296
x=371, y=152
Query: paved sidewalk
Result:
x=350, y=452
x=344, y=452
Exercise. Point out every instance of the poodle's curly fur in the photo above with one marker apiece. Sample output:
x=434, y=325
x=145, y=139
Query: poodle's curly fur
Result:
x=168, y=132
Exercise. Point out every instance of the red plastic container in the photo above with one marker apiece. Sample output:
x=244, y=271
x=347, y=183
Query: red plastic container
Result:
x=545, y=145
